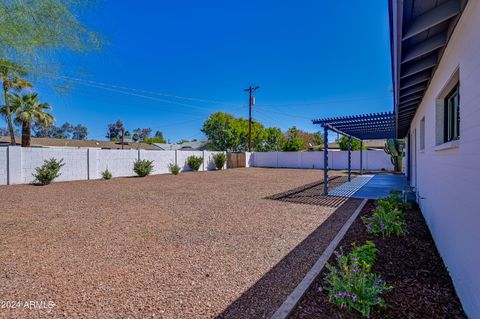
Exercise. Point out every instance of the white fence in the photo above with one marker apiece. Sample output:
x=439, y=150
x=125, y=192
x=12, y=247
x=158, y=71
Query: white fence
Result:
x=17, y=164
x=372, y=160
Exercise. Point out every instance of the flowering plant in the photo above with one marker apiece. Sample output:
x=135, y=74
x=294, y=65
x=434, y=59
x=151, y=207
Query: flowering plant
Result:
x=351, y=284
x=385, y=221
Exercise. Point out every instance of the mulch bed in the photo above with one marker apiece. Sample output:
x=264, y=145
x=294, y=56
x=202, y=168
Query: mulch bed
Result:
x=412, y=264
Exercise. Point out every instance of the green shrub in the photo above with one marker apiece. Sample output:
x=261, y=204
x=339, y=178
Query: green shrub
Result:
x=366, y=255
x=49, y=170
x=194, y=162
x=143, y=167
x=174, y=168
x=395, y=198
x=386, y=220
x=351, y=284
x=219, y=160
x=106, y=174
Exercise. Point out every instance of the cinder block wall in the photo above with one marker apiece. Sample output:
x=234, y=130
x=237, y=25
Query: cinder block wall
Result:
x=18, y=164
x=372, y=160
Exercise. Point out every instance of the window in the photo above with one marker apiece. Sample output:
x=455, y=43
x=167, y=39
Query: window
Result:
x=422, y=133
x=451, y=119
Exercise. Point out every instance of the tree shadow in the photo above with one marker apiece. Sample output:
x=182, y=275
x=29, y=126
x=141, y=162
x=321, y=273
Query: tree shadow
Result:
x=263, y=298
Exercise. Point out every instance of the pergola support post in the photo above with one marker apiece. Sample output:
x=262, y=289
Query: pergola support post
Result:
x=361, y=157
x=325, y=160
x=349, y=158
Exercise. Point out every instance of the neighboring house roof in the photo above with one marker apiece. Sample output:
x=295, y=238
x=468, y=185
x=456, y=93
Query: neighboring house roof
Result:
x=188, y=146
x=60, y=142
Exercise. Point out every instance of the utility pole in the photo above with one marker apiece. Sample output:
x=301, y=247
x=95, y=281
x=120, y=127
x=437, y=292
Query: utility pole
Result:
x=251, y=101
x=123, y=137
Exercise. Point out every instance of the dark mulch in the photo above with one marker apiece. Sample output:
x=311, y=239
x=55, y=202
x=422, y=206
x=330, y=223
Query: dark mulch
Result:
x=412, y=264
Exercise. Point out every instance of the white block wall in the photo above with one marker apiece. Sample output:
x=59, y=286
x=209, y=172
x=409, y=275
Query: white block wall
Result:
x=182, y=157
x=118, y=162
x=448, y=180
x=3, y=165
x=161, y=160
x=18, y=164
x=75, y=161
x=372, y=160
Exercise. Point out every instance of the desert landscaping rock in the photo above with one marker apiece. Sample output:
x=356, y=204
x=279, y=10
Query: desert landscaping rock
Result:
x=196, y=245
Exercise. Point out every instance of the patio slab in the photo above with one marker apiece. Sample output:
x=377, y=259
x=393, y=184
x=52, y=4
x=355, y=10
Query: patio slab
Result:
x=380, y=185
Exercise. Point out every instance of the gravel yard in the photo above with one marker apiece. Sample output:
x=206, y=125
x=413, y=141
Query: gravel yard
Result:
x=196, y=245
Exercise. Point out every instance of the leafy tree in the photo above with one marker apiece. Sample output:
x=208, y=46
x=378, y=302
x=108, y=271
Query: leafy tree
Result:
x=343, y=144
x=29, y=110
x=274, y=140
x=11, y=77
x=32, y=29
x=142, y=133
x=159, y=134
x=219, y=129
x=80, y=132
x=227, y=133
x=3, y=131
x=293, y=142
x=151, y=140
x=114, y=132
x=183, y=141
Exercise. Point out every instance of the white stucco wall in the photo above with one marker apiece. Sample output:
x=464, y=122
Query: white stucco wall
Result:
x=118, y=162
x=75, y=161
x=448, y=181
x=208, y=161
x=182, y=157
x=372, y=160
x=161, y=160
x=17, y=164
x=3, y=165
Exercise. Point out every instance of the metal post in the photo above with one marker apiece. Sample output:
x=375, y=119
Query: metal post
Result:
x=349, y=158
x=361, y=157
x=325, y=161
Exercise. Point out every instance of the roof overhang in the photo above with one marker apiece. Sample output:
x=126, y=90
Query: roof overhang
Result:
x=419, y=33
x=362, y=127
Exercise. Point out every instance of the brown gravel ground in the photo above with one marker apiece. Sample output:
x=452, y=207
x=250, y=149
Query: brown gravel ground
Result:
x=196, y=245
x=422, y=287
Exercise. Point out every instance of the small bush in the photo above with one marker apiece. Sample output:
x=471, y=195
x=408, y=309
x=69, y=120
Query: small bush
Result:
x=174, y=168
x=106, y=174
x=143, y=167
x=194, y=162
x=49, y=170
x=366, y=255
x=386, y=220
x=351, y=284
x=395, y=198
x=219, y=160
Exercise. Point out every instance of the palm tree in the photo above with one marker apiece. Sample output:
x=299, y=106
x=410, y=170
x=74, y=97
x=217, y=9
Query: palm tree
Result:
x=10, y=75
x=28, y=110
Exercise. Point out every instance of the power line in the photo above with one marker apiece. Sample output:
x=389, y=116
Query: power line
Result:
x=124, y=88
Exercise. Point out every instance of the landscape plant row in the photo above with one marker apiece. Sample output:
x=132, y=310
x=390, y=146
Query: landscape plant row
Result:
x=50, y=169
x=350, y=283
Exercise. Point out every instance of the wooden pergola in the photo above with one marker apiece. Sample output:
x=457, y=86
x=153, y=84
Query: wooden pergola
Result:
x=373, y=126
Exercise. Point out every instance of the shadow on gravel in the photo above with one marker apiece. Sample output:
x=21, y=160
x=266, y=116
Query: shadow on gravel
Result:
x=312, y=194
x=268, y=293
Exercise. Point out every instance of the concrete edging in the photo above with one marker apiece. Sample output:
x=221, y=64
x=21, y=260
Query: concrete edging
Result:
x=292, y=300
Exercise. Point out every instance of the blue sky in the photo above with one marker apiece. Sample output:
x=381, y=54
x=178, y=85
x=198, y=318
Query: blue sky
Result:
x=310, y=58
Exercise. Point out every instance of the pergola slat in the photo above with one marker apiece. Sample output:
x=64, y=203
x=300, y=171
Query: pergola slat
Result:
x=362, y=127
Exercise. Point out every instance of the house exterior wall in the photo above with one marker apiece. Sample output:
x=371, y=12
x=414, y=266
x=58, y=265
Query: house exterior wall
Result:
x=372, y=160
x=448, y=180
